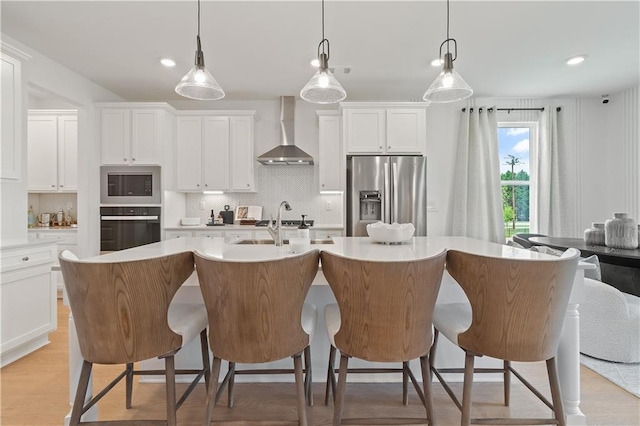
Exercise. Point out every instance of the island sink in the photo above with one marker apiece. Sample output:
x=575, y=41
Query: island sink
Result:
x=321, y=241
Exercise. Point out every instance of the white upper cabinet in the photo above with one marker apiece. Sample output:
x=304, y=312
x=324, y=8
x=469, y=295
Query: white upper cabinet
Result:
x=52, y=138
x=242, y=157
x=132, y=134
x=11, y=107
x=214, y=151
x=389, y=128
x=330, y=156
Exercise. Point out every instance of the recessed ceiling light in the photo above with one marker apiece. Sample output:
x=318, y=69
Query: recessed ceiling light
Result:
x=168, y=62
x=315, y=62
x=575, y=60
x=437, y=62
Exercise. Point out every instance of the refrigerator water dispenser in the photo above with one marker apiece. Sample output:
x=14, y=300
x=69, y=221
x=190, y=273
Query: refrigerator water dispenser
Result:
x=370, y=205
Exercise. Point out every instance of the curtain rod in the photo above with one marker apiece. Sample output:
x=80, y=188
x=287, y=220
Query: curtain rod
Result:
x=513, y=109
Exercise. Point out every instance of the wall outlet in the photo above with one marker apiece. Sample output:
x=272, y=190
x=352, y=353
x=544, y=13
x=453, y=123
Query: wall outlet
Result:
x=327, y=205
x=432, y=206
x=202, y=205
x=69, y=205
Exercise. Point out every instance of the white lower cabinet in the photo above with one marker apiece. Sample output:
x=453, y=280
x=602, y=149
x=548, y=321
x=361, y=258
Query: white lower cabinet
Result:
x=234, y=235
x=65, y=239
x=28, y=302
x=326, y=234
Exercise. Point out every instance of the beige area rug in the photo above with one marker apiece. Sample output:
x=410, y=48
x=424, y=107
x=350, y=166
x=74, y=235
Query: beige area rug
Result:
x=627, y=376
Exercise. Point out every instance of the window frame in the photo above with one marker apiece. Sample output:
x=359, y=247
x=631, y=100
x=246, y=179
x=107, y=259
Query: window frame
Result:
x=533, y=166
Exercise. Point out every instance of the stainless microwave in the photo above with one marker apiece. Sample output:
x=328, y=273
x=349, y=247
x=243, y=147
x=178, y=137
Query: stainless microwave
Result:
x=130, y=185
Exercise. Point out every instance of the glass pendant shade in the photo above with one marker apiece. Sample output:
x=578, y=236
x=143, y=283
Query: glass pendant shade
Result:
x=198, y=83
x=449, y=86
x=323, y=88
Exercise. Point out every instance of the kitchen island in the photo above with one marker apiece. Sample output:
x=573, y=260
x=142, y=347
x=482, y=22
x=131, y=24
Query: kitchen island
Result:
x=320, y=294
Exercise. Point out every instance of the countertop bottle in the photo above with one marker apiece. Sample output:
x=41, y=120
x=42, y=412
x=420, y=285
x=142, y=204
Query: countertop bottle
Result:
x=303, y=229
x=31, y=218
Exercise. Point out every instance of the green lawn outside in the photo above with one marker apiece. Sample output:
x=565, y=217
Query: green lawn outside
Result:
x=521, y=228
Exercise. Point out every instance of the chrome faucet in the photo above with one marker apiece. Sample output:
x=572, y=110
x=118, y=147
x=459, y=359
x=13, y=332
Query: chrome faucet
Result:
x=276, y=231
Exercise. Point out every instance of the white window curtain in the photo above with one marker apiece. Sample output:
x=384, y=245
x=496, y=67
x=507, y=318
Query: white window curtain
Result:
x=552, y=201
x=477, y=199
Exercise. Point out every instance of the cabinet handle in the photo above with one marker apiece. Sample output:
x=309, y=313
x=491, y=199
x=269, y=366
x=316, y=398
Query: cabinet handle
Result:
x=198, y=185
x=248, y=185
x=323, y=185
x=380, y=147
x=206, y=184
x=61, y=186
x=53, y=186
x=24, y=259
x=125, y=159
x=133, y=159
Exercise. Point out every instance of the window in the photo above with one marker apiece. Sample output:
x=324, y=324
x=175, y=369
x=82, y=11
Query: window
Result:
x=516, y=141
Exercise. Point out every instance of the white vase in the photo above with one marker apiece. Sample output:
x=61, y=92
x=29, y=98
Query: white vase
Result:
x=594, y=236
x=621, y=232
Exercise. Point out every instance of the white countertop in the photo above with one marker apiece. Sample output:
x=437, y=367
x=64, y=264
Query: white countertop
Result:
x=245, y=227
x=355, y=247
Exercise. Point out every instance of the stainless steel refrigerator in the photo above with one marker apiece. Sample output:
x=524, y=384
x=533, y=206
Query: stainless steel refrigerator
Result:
x=387, y=189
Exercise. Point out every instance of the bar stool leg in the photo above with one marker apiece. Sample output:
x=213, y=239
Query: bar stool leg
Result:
x=308, y=377
x=204, y=347
x=331, y=378
x=129, y=385
x=425, y=366
x=507, y=382
x=432, y=352
x=302, y=406
x=231, y=384
x=212, y=390
x=170, y=378
x=81, y=393
x=405, y=383
x=466, y=390
x=339, y=395
x=556, y=396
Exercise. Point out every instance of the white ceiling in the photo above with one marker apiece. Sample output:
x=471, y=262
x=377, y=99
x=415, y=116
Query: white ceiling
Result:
x=261, y=49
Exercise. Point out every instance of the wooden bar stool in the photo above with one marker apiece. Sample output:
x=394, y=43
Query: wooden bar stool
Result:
x=384, y=315
x=255, y=310
x=516, y=312
x=123, y=315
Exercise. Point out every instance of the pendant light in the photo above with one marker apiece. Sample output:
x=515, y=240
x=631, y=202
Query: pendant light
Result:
x=199, y=83
x=323, y=88
x=449, y=86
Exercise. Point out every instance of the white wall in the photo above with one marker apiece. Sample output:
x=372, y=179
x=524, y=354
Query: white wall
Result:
x=51, y=77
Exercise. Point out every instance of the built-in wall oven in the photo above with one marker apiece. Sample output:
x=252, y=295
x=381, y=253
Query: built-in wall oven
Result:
x=125, y=227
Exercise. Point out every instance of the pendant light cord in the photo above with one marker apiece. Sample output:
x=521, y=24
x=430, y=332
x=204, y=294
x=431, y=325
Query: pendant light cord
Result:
x=323, y=19
x=199, y=20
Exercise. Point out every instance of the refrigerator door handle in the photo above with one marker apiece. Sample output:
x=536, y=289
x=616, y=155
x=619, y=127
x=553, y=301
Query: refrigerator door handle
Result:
x=386, y=216
x=394, y=194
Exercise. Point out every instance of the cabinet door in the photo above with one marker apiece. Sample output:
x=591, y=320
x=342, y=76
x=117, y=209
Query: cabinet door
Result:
x=145, y=138
x=406, y=131
x=364, y=130
x=68, y=153
x=42, y=141
x=116, y=136
x=189, y=153
x=11, y=107
x=330, y=154
x=215, y=152
x=170, y=235
x=242, y=158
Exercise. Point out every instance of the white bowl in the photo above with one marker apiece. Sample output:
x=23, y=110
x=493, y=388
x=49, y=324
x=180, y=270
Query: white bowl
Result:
x=190, y=221
x=396, y=233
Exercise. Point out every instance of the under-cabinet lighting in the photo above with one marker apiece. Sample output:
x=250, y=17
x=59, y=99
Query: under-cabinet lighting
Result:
x=213, y=192
x=330, y=192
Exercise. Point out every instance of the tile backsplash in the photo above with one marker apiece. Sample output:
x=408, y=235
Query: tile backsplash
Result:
x=296, y=184
x=51, y=203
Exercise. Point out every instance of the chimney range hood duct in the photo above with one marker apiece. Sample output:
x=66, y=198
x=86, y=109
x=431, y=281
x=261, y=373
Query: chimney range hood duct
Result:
x=286, y=153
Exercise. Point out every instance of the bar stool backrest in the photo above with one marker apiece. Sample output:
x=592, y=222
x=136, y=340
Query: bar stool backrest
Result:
x=518, y=305
x=386, y=308
x=120, y=308
x=254, y=308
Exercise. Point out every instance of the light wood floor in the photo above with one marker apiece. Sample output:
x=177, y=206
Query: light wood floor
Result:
x=35, y=391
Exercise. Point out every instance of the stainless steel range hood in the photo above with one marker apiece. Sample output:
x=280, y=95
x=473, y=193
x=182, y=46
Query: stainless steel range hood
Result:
x=287, y=153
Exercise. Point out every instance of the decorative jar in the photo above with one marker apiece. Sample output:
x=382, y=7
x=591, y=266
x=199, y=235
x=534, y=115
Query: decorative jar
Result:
x=594, y=236
x=621, y=232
